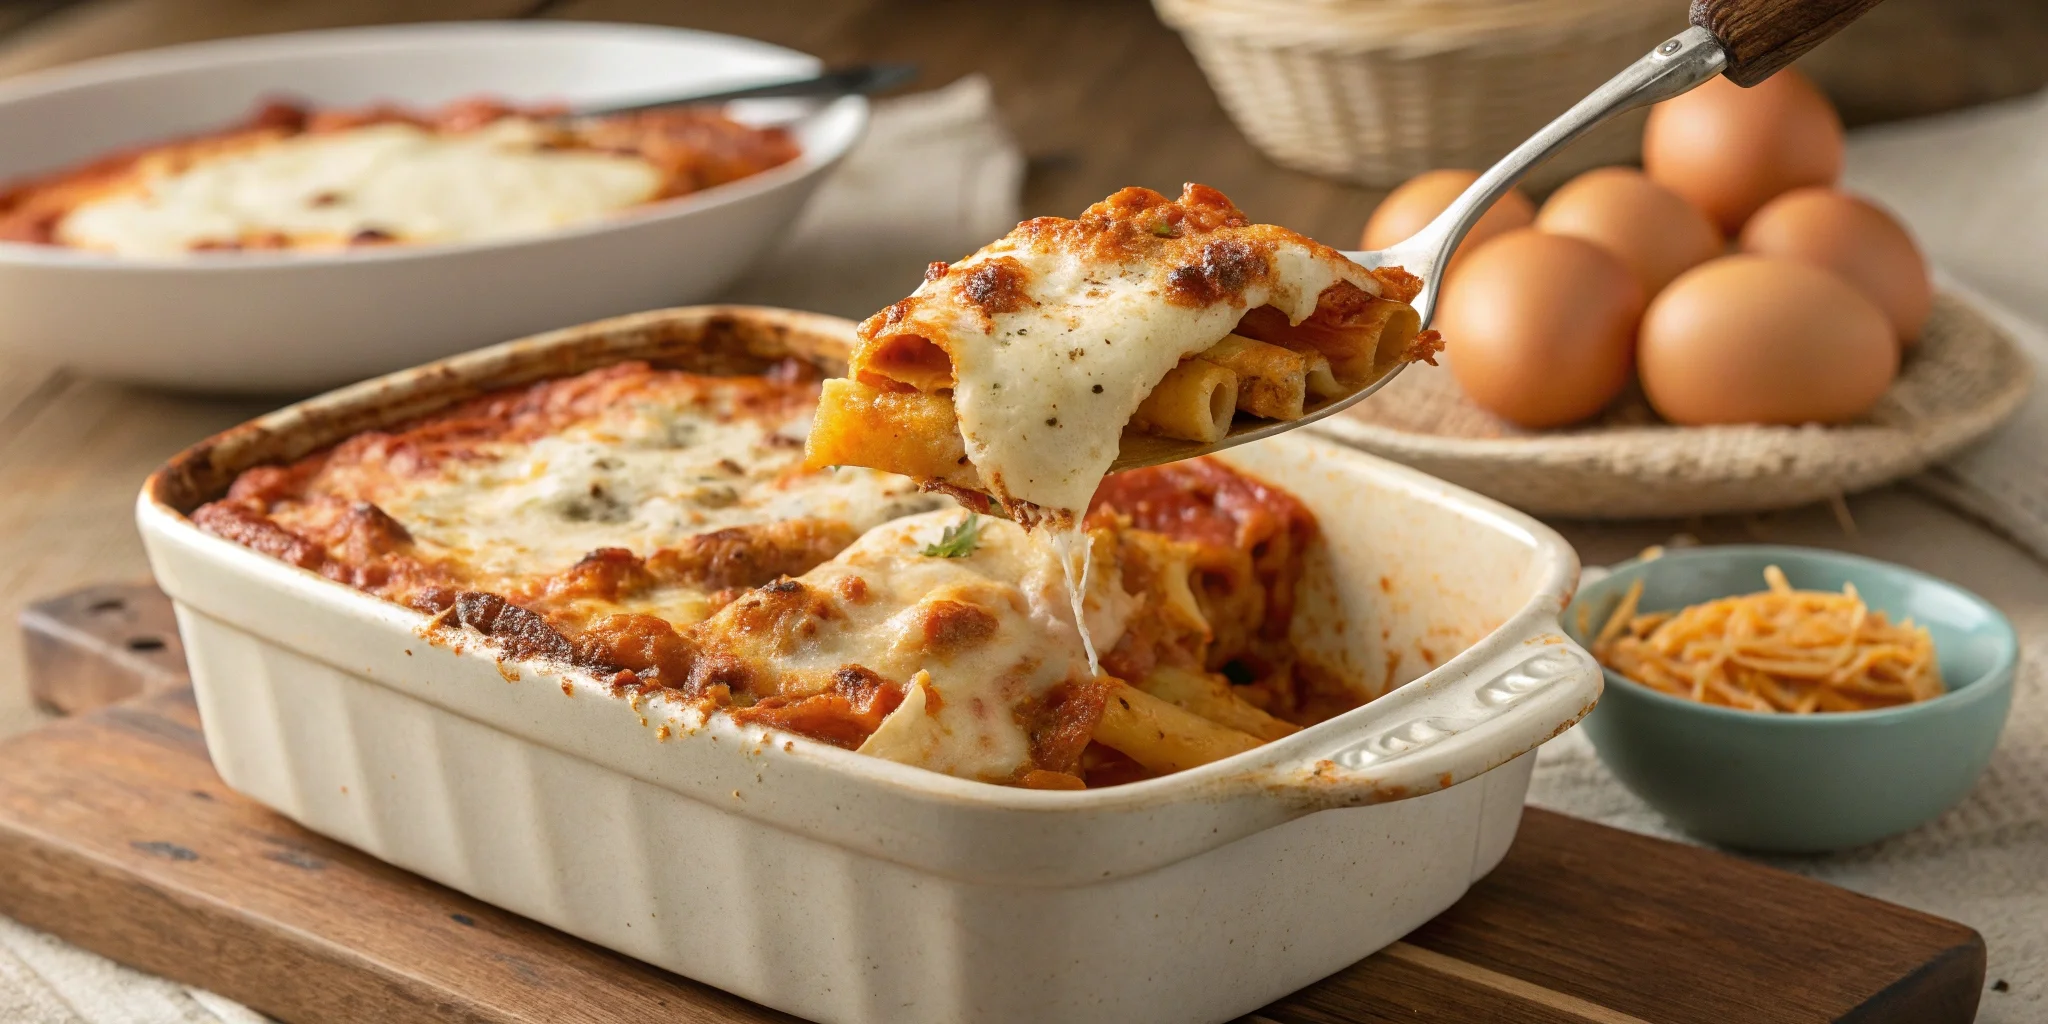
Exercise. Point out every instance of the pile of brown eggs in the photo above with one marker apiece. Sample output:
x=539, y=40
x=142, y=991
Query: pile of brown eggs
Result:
x=1547, y=314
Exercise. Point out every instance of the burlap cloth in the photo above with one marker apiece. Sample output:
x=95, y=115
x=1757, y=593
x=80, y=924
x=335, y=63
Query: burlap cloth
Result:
x=1963, y=378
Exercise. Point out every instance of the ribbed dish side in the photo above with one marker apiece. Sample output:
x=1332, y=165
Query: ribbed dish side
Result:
x=1373, y=111
x=806, y=926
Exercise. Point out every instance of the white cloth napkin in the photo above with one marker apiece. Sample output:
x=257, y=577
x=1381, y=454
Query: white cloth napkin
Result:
x=935, y=178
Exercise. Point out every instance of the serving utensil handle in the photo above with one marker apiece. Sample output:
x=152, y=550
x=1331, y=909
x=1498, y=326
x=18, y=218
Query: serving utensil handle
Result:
x=1676, y=65
x=1761, y=36
x=1745, y=39
x=861, y=80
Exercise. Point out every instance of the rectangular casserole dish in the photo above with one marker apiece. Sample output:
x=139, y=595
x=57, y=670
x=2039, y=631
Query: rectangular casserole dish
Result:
x=846, y=888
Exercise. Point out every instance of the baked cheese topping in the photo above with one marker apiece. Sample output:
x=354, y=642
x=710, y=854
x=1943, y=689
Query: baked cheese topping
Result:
x=1035, y=426
x=643, y=477
x=697, y=481
x=392, y=181
x=975, y=636
x=640, y=478
x=1059, y=330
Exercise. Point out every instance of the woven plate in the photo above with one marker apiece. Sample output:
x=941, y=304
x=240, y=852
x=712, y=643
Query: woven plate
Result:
x=1964, y=378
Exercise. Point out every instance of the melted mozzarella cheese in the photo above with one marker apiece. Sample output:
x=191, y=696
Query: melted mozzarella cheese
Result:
x=1025, y=388
x=959, y=710
x=643, y=476
x=911, y=734
x=1077, y=563
x=1043, y=392
x=323, y=189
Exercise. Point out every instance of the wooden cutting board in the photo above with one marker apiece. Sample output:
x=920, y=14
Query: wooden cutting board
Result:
x=116, y=834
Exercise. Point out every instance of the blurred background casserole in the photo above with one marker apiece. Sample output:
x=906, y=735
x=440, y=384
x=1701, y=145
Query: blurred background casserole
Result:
x=270, y=321
x=291, y=177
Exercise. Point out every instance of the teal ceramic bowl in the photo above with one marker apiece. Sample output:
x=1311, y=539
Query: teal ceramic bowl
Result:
x=1803, y=783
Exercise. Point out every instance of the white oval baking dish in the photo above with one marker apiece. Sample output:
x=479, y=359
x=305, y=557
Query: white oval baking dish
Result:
x=299, y=322
x=851, y=889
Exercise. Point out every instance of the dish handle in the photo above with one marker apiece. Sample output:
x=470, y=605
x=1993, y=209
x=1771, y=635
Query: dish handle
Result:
x=1451, y=726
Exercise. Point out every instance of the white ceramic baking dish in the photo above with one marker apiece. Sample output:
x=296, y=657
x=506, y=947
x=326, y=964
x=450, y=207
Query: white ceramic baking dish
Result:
x=300, y=322
x=845, y=888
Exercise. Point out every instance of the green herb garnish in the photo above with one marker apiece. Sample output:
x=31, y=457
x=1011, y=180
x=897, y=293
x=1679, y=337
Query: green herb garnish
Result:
x=1163, y=229
x=957, y=541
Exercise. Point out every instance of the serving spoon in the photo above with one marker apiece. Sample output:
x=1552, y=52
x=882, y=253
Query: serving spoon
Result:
x=860, y=79
x=1747, y=40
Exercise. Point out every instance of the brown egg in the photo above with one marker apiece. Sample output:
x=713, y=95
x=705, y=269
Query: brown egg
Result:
x=1757, y=339
x=1656, y=233
x=1856, y=239
x=1729, y=150
x=1539, y=328
x=1415, y=202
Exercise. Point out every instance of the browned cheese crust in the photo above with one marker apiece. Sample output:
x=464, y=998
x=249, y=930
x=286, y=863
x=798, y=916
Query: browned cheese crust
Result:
x=691, y=148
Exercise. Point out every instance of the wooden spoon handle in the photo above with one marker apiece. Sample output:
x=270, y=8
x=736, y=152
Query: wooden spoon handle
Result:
x=1762, y=36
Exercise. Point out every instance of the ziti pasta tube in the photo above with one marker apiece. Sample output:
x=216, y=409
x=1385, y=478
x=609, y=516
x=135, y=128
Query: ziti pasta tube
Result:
x=1272, y=382
x=909, y=432
x=1210, y=697
x=1161, y=736
x=1195, y=401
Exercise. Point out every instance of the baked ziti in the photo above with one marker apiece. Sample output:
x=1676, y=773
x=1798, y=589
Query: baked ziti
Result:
x=660, y=531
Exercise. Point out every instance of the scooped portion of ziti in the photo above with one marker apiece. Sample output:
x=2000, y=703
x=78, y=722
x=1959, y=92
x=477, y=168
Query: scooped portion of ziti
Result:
x=1011, y=377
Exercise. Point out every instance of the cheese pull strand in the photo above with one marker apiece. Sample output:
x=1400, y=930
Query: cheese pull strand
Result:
x=1077, y=555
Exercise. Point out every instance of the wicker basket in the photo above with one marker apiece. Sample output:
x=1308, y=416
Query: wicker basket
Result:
x=1965, y=377
x=1377, y=91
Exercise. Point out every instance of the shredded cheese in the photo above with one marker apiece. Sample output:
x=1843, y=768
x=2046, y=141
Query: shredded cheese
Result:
x=1779, y=650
